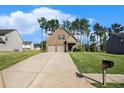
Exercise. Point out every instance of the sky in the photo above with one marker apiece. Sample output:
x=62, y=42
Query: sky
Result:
x=24, y=18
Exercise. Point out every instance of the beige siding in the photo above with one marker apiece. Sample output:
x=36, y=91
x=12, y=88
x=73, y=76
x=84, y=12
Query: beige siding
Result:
x=56, y=48
x=51, y=48
x=53, y=39
x=60, y=49
x=56, y=45
x=14, y=42
x=29, y=46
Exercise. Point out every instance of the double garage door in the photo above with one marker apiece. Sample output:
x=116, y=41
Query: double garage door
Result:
x=56, y=49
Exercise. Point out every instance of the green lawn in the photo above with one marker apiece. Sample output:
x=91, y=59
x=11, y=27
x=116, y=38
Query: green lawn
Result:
x=10, y=58
x=109, y=85
x=88, y=62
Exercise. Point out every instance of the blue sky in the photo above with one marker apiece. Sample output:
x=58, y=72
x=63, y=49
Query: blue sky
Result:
x=24, y=17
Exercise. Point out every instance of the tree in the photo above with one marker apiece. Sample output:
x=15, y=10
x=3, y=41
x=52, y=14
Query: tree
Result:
x=67, y=25
x=117, y=27
x=105, y=31
x=101, y=32
x=42, y=22
x=97, y=29
x=93, y=42
x=84, y=29
x=43, y=43
x=76, y=27
x=51, y=26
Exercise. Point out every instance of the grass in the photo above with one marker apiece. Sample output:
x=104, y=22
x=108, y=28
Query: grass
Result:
x=109, y=85
x=89, y=62
x=8, y=59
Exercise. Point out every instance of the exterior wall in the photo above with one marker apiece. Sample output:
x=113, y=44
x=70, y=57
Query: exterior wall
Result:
x=29, y=46
x=51, y=48
x=13, y=42
x=37, y=48
x=56, y=45
x=2, y=47
x=114, y=45
x=3, y=37
x=32, y=46
x=70, y=39
x=60, y=49
x=53, y=39
x=56, y=49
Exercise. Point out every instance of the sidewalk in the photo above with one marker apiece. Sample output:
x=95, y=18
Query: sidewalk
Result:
x=110, y=78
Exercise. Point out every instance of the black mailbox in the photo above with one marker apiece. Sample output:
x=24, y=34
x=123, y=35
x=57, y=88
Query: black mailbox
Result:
x=107, y=64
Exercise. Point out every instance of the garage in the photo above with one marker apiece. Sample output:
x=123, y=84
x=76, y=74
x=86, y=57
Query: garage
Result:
x=56, y=49
x=60, y=49
x=51, y=48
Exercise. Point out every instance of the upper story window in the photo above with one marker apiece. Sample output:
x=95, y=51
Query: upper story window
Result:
x=61, y=37
x=6, y=38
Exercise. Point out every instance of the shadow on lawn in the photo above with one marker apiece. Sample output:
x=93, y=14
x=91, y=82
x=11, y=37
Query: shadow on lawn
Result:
x=79, y=75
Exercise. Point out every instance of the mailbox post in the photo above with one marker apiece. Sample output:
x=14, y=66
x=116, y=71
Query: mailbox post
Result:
x=104, y=76
x=106, y=64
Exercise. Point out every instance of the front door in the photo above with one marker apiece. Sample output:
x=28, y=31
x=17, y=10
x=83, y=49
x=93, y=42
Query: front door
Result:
x=70, y=47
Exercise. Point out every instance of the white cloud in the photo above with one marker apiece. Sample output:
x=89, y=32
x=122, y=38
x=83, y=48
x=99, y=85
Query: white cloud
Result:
x=26, y=22
x=91, y=21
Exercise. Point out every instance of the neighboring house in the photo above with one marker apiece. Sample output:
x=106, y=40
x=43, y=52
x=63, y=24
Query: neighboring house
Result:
x=27, y=45
x=37, y=48
x=61, y=41
x=115, y=43
x=10, y=40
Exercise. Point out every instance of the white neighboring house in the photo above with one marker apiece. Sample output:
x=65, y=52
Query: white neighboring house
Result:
x=27, y=45
x=37, y=48
x=10, y=40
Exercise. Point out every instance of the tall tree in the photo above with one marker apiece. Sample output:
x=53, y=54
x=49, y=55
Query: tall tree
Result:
x=76, y=27
x=104, y=36
x=98, y=31
x=93, y=42
x=42, y=22
x=67, y=25
x=84, y=30
x=85, y=27
x=117, y=27
x=54, y=24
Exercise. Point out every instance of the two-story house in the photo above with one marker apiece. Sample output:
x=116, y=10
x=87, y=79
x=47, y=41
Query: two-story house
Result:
x=61, y=41
x=28, y=45
x=10, y=40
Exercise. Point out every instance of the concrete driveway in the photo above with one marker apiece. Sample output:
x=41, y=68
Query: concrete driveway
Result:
x=49, y=70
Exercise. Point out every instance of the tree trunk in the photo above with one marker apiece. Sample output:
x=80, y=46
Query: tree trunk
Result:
x=100, y=43
x=97, y=43
x=41, y=39
x=88, y=44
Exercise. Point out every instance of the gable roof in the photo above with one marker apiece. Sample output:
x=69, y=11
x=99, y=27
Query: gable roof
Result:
x=6, y=31
x=1, y=40
x=27, y=42
x=121, y=35
x=68, y=32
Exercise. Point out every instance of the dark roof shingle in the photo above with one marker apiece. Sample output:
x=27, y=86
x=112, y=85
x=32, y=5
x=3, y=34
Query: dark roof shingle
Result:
x=121, y=35
x=1, y=40
x=6, y=31
x=27, y=42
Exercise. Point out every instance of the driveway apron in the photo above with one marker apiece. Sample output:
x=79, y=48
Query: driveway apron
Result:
x=49, y=70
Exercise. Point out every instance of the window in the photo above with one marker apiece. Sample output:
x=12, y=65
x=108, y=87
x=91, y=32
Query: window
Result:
x=121, y=41
x=6, y=38
x=61, y=37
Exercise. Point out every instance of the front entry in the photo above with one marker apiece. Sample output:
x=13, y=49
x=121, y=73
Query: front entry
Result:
x=70, y=47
